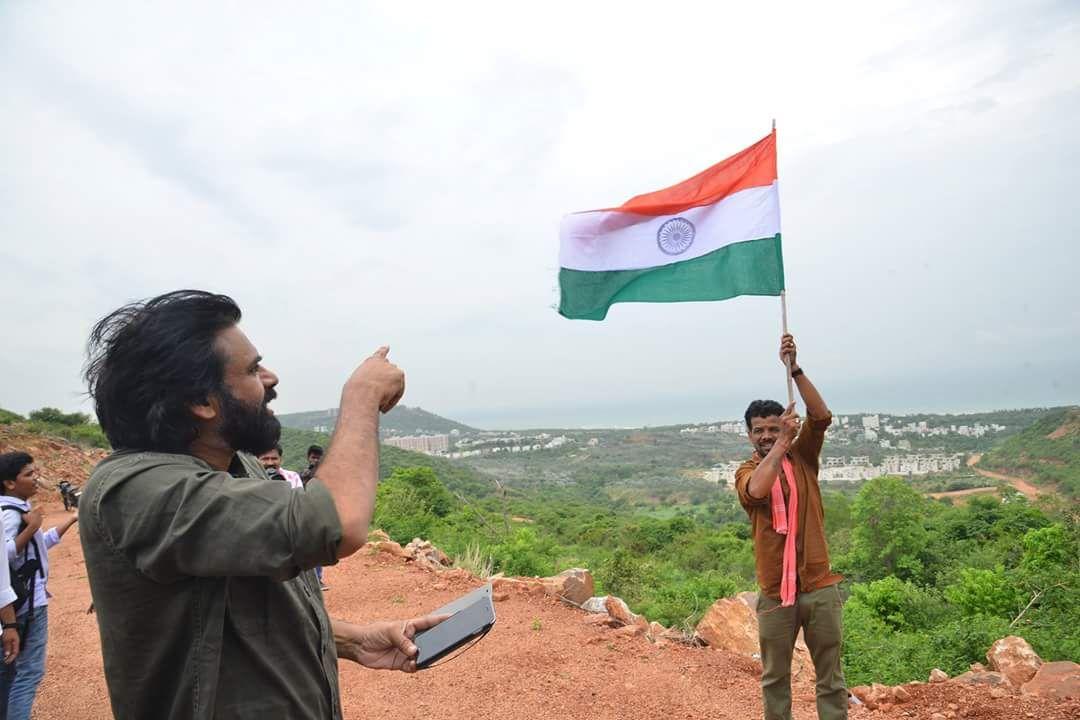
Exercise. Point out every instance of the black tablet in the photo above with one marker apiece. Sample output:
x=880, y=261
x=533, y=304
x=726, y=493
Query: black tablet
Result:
x=471, y=616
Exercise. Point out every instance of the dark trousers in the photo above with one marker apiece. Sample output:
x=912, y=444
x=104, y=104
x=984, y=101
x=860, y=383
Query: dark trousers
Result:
x=817, y=613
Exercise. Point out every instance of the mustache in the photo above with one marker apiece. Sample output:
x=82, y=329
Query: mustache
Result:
x=270, y=396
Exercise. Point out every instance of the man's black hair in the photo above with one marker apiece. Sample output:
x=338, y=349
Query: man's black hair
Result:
x=150, y=360
x=11, y=464
x=762, y=409
x=315, y=449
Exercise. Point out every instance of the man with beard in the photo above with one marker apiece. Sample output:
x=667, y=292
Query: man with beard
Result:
x=271, y=462
x=199, y=565
x=778, y=487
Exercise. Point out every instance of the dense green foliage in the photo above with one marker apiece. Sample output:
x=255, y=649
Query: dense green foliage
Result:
x=928, y=584
x=75, y=427
x=1048, y=452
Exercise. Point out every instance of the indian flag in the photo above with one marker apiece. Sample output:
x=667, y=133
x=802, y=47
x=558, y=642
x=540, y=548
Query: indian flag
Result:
x=712, y=237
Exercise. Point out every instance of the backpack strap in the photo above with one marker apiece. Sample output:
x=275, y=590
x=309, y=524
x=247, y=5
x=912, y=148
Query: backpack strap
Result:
x=33, y=539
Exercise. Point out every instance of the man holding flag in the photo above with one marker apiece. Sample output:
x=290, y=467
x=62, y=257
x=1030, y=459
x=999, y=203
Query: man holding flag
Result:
x=778, y=487
x=713, y=237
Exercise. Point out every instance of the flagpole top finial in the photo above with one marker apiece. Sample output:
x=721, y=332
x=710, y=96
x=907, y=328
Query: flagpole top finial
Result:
x=774, y=124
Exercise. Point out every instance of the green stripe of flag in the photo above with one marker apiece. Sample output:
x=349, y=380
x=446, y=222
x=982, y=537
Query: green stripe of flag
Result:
x=753, y=267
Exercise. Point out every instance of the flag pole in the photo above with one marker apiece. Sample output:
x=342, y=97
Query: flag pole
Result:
x=783, y=317
x=787, y=358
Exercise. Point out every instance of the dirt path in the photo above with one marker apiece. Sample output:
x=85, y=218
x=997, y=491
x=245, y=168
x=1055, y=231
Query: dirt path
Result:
x=1023, y=486
x=541, y=662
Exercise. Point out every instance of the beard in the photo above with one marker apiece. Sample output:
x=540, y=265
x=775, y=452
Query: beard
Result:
x=250, y=429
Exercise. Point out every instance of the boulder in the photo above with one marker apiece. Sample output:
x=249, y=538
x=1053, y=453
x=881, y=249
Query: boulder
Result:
x=730, y=625
x=985, y=677
x=656, y=630
x=1057, y=680
x=938, y=675
x=575, y=585
x=749, y=598
x=427, y=555
x=595, y=604
x=1014, y=658
x=619, y=610
x=389, y=547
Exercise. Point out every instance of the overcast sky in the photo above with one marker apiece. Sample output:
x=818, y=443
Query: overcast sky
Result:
x=366, y=173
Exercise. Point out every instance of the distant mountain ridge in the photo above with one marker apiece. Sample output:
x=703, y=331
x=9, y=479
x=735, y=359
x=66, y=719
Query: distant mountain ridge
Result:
x=401, y=420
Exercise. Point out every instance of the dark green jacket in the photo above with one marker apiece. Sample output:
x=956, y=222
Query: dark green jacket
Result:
x=202, y=586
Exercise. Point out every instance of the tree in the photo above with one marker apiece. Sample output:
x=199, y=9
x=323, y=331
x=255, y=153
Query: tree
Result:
x=889, y=537
x=985, y=592
x=54, y=416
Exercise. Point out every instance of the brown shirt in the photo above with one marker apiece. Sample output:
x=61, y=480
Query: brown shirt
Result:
x=811, y=550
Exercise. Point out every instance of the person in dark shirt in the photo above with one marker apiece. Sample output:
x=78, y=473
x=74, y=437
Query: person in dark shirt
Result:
x=314, y=457
x=199, y=565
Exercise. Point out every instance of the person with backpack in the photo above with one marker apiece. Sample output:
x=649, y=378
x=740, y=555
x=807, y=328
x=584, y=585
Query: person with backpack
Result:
x=10, y=636
x=28, y=556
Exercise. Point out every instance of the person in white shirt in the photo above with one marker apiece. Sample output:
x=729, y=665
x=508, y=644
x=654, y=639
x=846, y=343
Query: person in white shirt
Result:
x=10, y=635
x=271, y=462
x=26, y=543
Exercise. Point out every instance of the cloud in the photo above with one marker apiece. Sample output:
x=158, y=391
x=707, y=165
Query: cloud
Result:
x=366, y=174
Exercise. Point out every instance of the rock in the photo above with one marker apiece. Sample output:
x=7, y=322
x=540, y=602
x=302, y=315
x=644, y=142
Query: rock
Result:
x=938, y=676
x=595, y=604
x=575, y=585
x=1058, y=680
x=977, y=667
x=937, y=716
x=749, y=598
x=656, y=630
x=986, y=677
x=427, y=555
x=377, y=536
x=1014, y=658
x=674, y=635
x=730, y=625
x=900, y=695
x=500, y=596
x=619, y=610
x=629, y=631
x=387, y=546
x=872, y=696
x=998, y=693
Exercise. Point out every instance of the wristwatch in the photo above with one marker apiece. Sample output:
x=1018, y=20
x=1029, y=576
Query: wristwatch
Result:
x=11, y=626
x=796, y=372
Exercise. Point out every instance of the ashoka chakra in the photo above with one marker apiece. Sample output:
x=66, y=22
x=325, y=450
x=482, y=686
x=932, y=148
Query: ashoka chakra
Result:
x=675, y=236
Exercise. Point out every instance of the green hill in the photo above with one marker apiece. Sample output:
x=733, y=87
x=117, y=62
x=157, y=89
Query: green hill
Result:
x=457, y=477
x=1047, y=452
x=399, y=421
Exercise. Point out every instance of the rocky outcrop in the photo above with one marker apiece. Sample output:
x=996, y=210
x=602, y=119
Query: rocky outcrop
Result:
x=880, y=696
x=427, y=555
x=730, y=625
x=1014, y=658
x=574, y=585
x=1055, y=680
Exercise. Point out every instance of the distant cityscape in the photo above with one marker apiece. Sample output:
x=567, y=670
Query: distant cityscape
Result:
x=483, y=443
